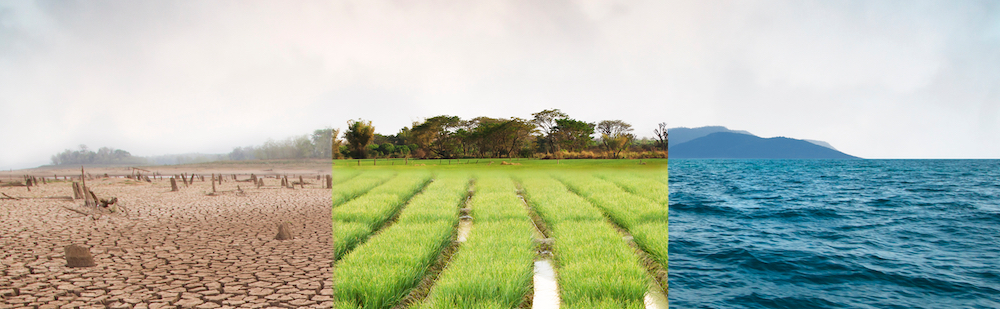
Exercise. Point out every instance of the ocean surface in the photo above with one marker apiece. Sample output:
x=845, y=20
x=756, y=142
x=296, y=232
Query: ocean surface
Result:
x=834, y=233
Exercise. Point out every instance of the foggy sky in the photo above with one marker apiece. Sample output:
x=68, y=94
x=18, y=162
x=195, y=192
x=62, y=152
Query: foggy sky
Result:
x=878, y=79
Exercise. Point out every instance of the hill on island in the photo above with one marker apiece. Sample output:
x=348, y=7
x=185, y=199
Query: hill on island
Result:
x=730, y=145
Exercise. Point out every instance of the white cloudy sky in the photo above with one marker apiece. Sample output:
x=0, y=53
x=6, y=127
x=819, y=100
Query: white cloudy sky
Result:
x=877, y=79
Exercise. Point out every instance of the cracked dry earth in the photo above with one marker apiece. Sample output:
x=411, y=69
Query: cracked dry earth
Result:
x=172, y=250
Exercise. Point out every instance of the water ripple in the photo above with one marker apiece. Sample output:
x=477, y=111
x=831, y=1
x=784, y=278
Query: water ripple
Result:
x=835, y=233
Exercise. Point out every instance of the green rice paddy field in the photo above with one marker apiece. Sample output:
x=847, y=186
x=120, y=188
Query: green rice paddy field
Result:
x=467, y=233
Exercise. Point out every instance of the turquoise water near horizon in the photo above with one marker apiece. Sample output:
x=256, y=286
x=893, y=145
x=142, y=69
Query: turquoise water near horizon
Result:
x=834, y=233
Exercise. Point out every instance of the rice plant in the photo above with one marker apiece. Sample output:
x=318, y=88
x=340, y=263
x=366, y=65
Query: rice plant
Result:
x=380, y=273
x=596, y=269
x=373, y=209
x=493, y=269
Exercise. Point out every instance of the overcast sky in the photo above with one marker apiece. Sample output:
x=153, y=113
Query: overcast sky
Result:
x=877, y=79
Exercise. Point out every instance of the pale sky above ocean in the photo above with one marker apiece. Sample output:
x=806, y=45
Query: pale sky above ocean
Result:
x=876, y=79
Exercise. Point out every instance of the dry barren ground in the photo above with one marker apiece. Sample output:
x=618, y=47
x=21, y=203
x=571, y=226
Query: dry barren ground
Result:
x=169, y=249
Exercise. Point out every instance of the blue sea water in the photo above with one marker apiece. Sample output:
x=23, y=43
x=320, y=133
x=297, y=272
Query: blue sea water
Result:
x=834, y=233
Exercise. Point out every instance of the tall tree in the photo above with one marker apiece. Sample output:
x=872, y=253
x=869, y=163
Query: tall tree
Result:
x=436, y=135
x=615, y=135
x=501, y=137
x=358, y=135
x=546, y=120
x=661, y=135
x=335, y=144
x=321, y=140
x=573, y=134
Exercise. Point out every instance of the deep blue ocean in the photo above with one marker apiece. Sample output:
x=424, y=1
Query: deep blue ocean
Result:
x=834, y=233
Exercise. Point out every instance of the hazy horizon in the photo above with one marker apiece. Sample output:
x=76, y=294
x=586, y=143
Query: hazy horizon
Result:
x=874, y=79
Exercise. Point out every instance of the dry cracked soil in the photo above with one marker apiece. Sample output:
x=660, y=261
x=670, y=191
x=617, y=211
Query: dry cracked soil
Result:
x=183, y=249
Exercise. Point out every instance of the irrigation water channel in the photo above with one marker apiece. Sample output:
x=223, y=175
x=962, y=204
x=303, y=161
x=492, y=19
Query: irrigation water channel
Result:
x=546, y=294
x=547, y=289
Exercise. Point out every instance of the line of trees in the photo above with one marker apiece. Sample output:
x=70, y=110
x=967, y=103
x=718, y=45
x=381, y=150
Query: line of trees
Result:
x=104, y=155
x=319, y=144
x=549, y=134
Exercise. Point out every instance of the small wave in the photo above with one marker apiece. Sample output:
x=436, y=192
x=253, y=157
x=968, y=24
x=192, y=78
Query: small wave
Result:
x=757, y=300
x=703, y=208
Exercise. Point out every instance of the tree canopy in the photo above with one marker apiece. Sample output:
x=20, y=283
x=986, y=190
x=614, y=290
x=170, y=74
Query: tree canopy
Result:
x=358, y=135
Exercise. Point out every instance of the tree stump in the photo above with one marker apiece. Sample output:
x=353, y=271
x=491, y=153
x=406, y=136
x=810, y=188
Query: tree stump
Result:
x=76, y=190
x=79, y=256
x=173, y=184
x=302, y=183
x=284, y=232
x=329, y=182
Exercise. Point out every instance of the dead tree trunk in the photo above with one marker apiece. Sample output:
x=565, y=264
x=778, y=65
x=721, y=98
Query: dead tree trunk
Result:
x=76, y=190
x=173, y=184
x=84, y=189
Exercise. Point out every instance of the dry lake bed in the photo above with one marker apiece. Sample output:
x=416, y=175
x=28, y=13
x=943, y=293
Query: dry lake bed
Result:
x=165, y=249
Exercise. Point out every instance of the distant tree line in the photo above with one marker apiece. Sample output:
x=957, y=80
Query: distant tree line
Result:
x=104, y=155
x=549, y=134
x=319, y=144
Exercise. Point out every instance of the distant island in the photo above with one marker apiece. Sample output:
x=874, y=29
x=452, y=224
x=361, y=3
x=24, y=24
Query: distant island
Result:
x=717, y=142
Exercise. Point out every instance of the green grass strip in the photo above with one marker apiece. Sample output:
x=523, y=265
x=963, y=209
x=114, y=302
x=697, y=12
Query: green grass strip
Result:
x=644, y=218
x=641, y=185
x=596, y=269
x=340, y=176
x=346, y=191
x=379, y=273
x=493, y=269
x=372, y=210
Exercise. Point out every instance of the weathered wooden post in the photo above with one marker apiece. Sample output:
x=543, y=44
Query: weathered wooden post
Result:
x=173, y=184
x=302, y=183
x=83, y=188
x=329, y=182
x=284, y=232
x=76, y=190
x=78, y=256
x=213, y=184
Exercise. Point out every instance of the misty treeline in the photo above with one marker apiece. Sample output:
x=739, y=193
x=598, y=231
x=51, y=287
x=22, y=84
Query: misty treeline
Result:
x=104, y=155
x=319, y=144
x=549, y=134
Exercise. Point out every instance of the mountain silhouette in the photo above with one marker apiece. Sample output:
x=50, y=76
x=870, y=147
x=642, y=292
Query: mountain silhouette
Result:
x=682, y=135
x=730, y=145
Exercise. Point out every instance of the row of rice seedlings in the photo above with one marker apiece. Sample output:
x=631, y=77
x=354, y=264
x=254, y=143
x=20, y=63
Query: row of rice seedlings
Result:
x=554, y=203
x=380, y=273
x=645, y=219
x=346, y=191
x=496, y=199
x=637, y=184
x=448, y=188
x=363, y=215
x=340, y=176
x=596, y=269
x=493, y=268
